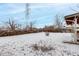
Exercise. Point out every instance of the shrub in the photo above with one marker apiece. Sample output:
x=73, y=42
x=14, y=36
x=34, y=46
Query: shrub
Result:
x=42, y=46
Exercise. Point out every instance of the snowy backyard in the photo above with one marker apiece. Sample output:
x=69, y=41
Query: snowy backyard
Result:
x=52, y=45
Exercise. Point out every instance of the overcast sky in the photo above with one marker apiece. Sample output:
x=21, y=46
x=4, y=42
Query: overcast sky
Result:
x=43, y=14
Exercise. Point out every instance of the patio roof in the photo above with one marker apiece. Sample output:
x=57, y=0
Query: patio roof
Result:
x=69, y=18
x=72, y=15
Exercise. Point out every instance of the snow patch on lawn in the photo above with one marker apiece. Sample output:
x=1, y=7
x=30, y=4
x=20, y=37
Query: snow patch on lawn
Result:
x=21, y=45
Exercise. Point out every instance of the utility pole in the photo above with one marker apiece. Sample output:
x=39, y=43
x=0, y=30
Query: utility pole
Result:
x=27, y=9
x=27, y=14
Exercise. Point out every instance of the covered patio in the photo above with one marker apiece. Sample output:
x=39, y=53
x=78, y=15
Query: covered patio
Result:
x=72, y=22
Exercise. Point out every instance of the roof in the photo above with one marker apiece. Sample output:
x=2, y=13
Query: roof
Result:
x=72, y=15
x=70, y=18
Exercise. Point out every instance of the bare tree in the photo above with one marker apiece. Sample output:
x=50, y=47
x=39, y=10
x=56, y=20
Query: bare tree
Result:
x=32, y=23
x=74, y=9
x=58, y=22
x=12, y=25
x=30, y=26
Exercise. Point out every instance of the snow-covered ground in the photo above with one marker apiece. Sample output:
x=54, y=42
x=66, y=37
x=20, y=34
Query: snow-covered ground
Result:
x=23, y=45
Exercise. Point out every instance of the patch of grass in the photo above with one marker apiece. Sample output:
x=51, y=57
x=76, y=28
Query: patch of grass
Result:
x=42, y=47
x=35, y=47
